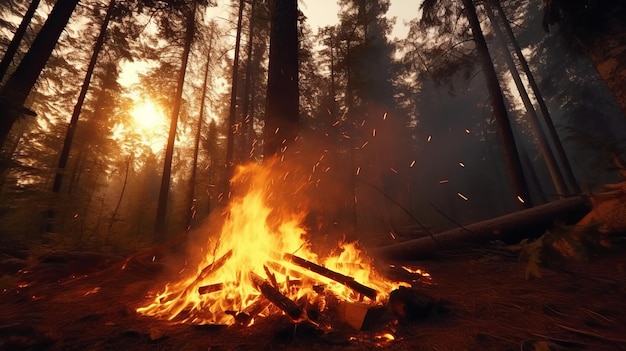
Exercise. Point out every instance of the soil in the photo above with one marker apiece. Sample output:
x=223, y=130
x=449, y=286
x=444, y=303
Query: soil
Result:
x=482, y=301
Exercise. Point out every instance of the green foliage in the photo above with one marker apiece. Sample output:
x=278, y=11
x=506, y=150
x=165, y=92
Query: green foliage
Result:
x=562, y=242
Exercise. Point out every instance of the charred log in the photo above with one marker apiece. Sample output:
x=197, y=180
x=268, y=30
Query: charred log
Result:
x=338, y=277
x=277, y=298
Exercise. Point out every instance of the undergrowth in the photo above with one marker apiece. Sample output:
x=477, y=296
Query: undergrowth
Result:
x=563, y=242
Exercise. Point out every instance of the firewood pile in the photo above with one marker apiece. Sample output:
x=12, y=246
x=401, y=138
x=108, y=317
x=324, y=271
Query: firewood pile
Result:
x=316, y=304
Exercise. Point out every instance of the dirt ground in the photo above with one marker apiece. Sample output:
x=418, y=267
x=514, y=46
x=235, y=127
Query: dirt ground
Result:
x=86, y=302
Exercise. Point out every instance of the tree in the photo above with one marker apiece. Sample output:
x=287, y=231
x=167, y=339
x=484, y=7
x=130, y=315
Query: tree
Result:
x=596, y=28
x=568, y=174
x=232, y=117
x=14, y=93
x=160, y=228
x=71, y=129
x=512, y=159
x=192, y=179
x=11, y=50
x=281, y=112
x=544, y=146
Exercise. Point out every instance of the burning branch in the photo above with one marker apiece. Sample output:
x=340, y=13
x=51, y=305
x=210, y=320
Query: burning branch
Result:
x=244, y=317
x=207, y=289
x=338, y=277
x=277, y=298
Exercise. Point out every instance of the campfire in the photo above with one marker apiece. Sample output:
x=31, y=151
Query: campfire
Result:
x=263, y=262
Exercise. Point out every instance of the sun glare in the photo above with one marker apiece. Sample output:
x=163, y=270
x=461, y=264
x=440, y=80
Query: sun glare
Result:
x=148, y=115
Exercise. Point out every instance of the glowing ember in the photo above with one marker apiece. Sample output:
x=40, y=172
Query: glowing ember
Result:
x=262, y=247
x=462, y=196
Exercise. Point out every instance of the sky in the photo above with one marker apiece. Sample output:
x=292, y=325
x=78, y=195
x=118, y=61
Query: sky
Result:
x=322, y=13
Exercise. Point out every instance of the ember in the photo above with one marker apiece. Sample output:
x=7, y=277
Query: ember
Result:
x=262, y=262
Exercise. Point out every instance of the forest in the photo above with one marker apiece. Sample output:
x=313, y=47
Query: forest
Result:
x=171, y=171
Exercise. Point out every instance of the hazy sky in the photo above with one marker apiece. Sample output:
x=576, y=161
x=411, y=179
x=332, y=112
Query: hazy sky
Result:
x=321, y=13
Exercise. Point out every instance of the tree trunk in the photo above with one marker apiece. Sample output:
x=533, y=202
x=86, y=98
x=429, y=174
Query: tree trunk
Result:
x=194, y=167
x=511, y=155
x=247, y=123
x=160, y=227
x=281, y=112
x=119, y=200
x=14, y=93
x=232, y=120
x=9, y=54
x=71, y=129
x=516, y=225
x=544, y=145
x=556, y=141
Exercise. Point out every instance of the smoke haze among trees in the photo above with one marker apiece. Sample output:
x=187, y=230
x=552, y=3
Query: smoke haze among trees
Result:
x=393, y=131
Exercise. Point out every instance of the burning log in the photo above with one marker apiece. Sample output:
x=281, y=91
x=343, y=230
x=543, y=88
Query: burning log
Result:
x=205, y=272
x=535, y=219
x=207, y=289
x=277, y=298
x=338, y=277
x=244, y=317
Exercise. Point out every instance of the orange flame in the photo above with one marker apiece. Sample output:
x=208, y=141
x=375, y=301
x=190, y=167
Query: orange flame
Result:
x=259, y=229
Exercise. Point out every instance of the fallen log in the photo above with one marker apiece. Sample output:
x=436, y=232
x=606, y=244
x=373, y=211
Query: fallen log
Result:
x=338, y=277
x=528, y=222
x=277, y=298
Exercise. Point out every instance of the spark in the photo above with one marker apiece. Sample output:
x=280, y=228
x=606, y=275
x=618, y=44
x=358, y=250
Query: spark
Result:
x=393, y=170
x=520, y=199
x=363, y=123
x=412, y=164
x=286, y=174
x=358, y=170
x=385, y=116
x=443, y=181
x=373, y=132
x=336, y=123
x=327, y=169
x=462, y=196
x=92, y=291
x=385, y=337
x=276, y=131
x=392, y=236
x=430, y=137
x=364, y=144
x=346, y=136
x=467, y=131
x=76, y=215
x=355, y=200
x=461, y=164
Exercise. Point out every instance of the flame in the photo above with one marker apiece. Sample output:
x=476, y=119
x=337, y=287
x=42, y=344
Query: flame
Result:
x=261, y=231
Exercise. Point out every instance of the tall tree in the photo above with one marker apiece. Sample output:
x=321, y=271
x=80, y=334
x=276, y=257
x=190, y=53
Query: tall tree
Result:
x=281, y=112
x=597, y=29
x=512, y=158
x=11, y=50
x=71, y=129
x=232, y=117
x=160, y=227
x=15, y=92
x=544, y=145
x=568, y=174
x=192, y=179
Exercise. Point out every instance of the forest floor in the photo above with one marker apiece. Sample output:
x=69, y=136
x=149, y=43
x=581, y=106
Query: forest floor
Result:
x=74, y=302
